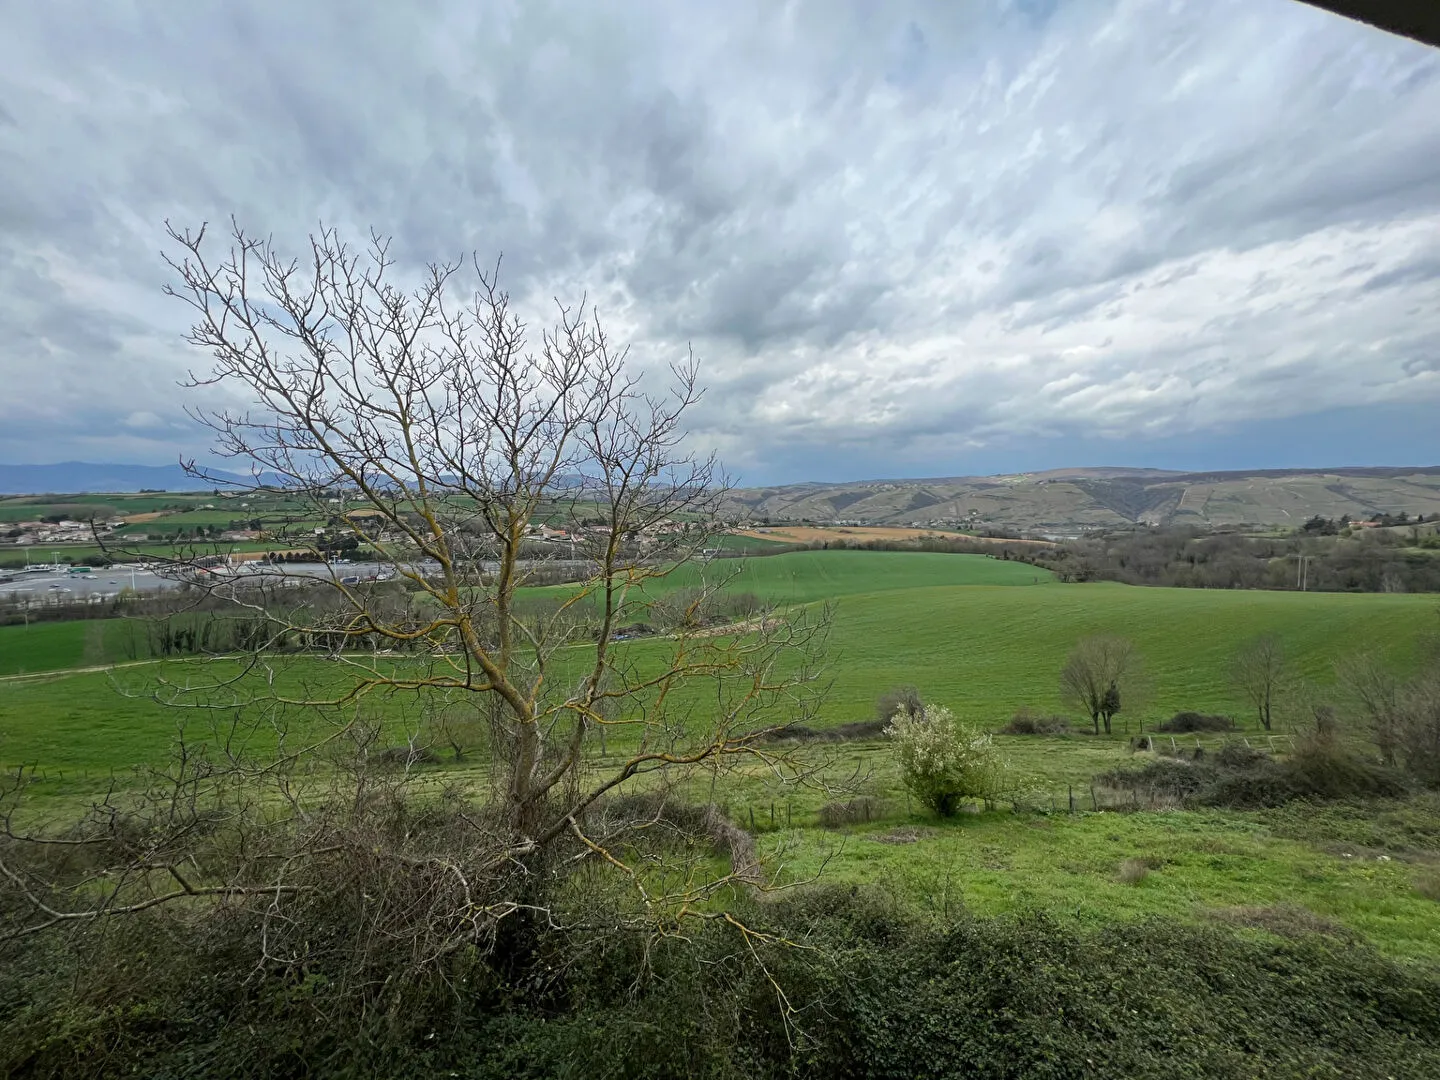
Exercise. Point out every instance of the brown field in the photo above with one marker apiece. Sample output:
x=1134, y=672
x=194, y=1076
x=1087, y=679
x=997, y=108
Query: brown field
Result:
x=805, y=534
x=135, y=519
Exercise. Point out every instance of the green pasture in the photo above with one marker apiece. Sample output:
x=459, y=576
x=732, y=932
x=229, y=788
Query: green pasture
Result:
x=987, y=651
x=939, y=622
x=806, y=577
x=981, y=635
x=736, y=542
x=34, y=507
x=77, y=643
x=1202, y=866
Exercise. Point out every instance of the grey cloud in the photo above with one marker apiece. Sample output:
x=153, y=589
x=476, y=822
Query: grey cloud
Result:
x=879, y=224
x=1418, y=271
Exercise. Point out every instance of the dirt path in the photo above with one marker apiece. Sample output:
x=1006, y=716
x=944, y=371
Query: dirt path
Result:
x=79, y=670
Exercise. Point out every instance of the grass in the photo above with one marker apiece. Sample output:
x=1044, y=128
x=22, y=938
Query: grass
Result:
x=941, y=622
x=960, y=629
x=1199, y=865
x=807, y=577
x=80, y=643
x=985, y=652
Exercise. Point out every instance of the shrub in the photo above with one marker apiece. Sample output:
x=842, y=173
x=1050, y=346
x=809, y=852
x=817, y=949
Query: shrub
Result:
x=1164, y=777
x=860, y=810
x=1026, y=722
x=1189, y=722
x=1427, y=883
x=1132, y=872
x=399, y=756
x=684, y=609
x=1323, y=768
x=852, y=732
x=944, y=762
x=1284, y=920
x=1320, y=769
x=900, y=699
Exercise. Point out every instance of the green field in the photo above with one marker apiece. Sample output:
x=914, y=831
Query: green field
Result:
x=980, y=635
x=804, y=577
x=945, y=623
x=60, y=645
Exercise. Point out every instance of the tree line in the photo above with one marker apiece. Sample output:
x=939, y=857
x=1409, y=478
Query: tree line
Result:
x=1368, y=560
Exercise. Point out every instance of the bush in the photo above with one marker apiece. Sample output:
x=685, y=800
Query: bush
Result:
x=1132, y=872
x=876, y=993
x=1283, y=920
x=857, y=811
x=1320, y=769
x=1427, y=883
x=944, y=762
x=904, y=699
x=401, y=756
x=1026, y=722
x=856, y=731
x=1190, y=722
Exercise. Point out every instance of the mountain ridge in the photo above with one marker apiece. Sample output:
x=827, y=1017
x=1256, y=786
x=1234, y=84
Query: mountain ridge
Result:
x=1071, y=499
x=1057, y=500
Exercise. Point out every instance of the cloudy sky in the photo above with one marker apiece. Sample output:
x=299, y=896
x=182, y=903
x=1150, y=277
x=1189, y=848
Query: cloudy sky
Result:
x=905, y=239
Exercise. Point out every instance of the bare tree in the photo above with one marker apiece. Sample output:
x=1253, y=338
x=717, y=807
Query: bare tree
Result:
x=1377, y=695
x=1095, y=675
x=1259, y=672
x=899, y=699
x=1403, y=714
x=469, y=459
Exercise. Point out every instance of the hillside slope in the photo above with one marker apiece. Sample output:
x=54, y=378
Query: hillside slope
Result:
x=1071, y=499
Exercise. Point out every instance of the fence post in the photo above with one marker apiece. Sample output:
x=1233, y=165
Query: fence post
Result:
x=1072, y=798
x=1094, y=802
x=752, y=819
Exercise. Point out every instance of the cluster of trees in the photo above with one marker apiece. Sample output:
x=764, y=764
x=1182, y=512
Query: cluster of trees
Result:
x=1370, y=560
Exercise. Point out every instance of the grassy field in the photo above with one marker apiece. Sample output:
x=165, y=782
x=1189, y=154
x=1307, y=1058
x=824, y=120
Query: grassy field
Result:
x=984, y=637
x=60, y=645
x=805, y=577
x=940, y=622
x=1237, y=867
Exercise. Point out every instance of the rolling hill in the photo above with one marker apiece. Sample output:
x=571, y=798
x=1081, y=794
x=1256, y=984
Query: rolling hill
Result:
x=1068, y=500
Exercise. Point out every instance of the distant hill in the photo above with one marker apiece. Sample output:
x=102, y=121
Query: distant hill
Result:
x=1059, y=500
x=1068, y=500
x=74, y=477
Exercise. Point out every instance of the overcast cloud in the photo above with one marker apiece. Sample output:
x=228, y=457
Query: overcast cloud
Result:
x=905, y=239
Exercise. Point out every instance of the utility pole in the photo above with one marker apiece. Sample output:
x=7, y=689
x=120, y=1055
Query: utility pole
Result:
x=1302, y=571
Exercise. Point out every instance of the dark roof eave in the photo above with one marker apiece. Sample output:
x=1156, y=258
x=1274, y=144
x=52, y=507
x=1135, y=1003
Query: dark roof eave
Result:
x=1418, y=20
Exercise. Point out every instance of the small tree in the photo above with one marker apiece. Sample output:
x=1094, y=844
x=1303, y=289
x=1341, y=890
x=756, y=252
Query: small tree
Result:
x=1376, y=693
x=904, y=699
x=944, y=761
x=1259, y=672
x=1094, y=675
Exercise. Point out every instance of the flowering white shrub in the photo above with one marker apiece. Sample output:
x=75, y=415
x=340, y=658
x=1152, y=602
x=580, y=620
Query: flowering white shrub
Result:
x=944, y=761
